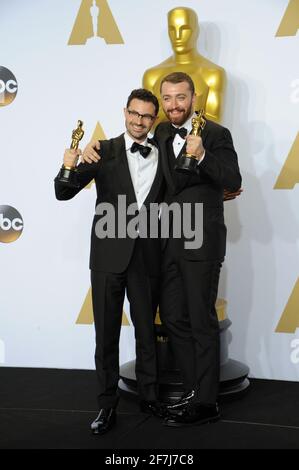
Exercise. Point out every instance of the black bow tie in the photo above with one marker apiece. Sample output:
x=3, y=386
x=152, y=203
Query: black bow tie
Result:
x=143, y=150
x=182, y=131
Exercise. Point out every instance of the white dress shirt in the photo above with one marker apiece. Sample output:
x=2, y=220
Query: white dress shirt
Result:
x=142, y=170
x=178, y=141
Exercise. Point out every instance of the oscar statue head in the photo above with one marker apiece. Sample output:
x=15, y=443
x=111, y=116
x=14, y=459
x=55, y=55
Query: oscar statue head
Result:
x=183, y=29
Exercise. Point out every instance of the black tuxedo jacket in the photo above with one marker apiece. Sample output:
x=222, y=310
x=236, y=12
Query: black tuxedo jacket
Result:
x=112, y=178
x=217, y=171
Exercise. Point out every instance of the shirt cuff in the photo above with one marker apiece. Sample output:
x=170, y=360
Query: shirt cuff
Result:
x=203, y=156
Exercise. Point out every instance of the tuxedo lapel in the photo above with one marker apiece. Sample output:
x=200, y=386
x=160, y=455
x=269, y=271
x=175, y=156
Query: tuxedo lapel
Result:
x=205, y=133
x=178, y=180
x=163, y=147
x=183, y=150
x=123, y=171
x=153, y=193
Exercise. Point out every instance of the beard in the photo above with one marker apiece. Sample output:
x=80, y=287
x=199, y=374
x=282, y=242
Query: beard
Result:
x=139, y=133
x=178, y=115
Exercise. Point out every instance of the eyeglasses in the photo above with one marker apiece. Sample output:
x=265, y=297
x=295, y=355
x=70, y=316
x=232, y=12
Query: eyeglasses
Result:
x=146, y=117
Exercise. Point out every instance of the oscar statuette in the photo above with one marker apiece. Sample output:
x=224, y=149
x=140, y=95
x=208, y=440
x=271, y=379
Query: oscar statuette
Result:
x=187, y=163
x=68, y=174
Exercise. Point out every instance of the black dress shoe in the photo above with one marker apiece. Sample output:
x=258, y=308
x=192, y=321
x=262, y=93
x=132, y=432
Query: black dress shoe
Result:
x=194, y=414
x=104, y=421
x=154, y=408
x=182, y=402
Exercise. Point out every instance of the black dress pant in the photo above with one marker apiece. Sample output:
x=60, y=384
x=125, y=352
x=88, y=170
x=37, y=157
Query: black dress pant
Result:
x=108, y=292
x=187, y=309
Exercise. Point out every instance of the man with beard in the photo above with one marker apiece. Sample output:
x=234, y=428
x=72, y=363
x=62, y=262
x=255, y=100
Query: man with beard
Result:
x=129, y=167
x=190, y=277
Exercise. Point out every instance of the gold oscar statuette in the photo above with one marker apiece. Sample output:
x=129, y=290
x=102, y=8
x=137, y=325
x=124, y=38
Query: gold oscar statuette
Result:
x=187, y=163
x=68, y=174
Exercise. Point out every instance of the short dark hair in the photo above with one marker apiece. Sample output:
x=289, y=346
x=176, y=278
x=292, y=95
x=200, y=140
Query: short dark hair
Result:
x=179, y=77
x=144, y=95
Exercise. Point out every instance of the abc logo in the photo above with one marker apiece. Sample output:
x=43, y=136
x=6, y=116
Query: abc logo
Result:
x=11, y=224
x=8, y=86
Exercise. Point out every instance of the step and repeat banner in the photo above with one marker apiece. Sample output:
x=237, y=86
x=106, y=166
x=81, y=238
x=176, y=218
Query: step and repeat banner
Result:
x=64, y=60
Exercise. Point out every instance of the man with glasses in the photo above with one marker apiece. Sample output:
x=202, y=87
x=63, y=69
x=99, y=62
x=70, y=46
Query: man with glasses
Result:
x=128, y=173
